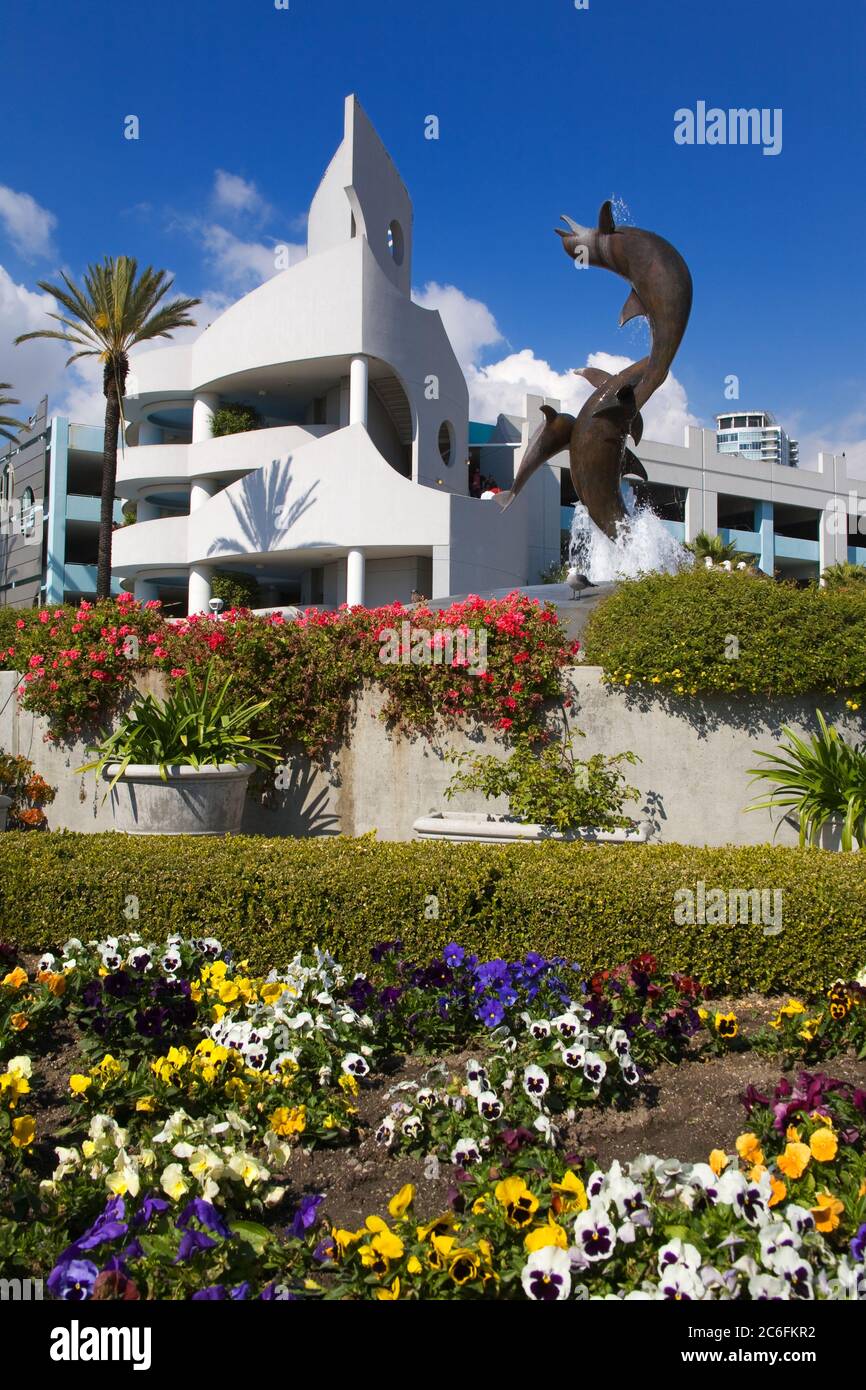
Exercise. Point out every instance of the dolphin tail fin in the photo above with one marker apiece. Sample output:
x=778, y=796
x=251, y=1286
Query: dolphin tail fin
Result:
x=503, y=499
x=632, y=466
x=632, y=309
x=594, y=375
x=606, y=221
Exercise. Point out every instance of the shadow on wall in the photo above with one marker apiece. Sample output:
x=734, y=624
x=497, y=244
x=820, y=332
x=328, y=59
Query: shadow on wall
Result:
x=264, y=514
x=301, y=808
x=751, y=717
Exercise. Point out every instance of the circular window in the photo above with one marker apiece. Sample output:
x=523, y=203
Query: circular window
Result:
x=446, y=442
x=395, y=242
x=28, y=512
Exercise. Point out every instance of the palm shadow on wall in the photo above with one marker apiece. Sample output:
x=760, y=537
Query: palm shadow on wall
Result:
x=265, y=512
x=302, y=808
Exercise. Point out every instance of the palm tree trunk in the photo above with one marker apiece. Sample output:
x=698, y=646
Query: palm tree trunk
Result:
x=113, y=384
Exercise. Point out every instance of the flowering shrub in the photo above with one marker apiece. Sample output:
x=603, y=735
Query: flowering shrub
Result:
x=79, y=664
x=28, y=792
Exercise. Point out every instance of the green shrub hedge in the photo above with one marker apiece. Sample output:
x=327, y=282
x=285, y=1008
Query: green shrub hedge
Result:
x=599, y=905
x=674, y=631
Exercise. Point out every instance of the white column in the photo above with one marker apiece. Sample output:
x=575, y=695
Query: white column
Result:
x=200, y=491
x=144, y=590
x=149, y=433
x=145, y=511
x=204, y=403
x=355, y=565
x=359, y=382
x=694, y=512
x=199, y=594
x=711, y=512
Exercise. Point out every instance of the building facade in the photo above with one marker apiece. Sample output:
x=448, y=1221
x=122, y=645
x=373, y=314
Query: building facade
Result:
x=355, y=486
x=50, y=485
x=756, y=435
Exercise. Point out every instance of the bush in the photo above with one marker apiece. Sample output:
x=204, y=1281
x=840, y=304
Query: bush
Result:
x=673, y=631
x=234, y=419
x=235, y=590
x=595, y=904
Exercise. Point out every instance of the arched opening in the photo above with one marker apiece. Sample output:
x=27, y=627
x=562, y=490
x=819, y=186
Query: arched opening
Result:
x=446, y=443
x=396, y=243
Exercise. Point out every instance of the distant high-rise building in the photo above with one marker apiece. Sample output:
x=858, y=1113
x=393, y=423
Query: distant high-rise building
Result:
x=755, y=434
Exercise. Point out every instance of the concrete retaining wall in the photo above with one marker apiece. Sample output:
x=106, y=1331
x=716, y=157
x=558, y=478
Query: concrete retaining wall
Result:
x=693, y=775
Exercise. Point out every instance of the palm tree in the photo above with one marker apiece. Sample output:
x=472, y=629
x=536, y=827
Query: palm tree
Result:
x=844, y=574
x=114, y=311
x=8, y=426
x=707, y=547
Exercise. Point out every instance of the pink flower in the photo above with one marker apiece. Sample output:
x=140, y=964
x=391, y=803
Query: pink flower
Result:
x=178, y=671
x=160, y=652
x=20, y=623
x=98, y=676
x=35, y=661
x=153, y=603
x=504, y=723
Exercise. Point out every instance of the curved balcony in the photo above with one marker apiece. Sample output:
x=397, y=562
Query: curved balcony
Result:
x=150, y=545
x=154, y=467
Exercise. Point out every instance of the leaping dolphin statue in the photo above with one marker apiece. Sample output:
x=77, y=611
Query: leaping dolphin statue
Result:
x=597, y=451
x=557, y=430
x=659, y=277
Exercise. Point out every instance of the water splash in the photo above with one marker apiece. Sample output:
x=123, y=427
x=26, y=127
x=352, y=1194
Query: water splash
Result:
x=643, y=544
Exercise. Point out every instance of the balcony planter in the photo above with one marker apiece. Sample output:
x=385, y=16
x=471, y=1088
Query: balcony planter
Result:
x=479, y=827
x=5, y=803
x=193, y=801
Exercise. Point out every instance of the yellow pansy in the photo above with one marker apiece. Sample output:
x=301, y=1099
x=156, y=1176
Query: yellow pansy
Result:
x=543, y=1236
x=414, y=1265
x=719, y=1161
x=570, y=1194
x=827, y=1211
x=749, y=1148
x=400, y=1203
x=390, y=1294
x=19, y=1022
x=285, y=1121
x=23, y=1131
x=794, y=1161
x=16, y=978
x=78, y=1084
x=824, y=1145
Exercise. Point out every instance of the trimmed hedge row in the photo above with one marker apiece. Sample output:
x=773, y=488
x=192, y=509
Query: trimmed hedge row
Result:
x=599, y=905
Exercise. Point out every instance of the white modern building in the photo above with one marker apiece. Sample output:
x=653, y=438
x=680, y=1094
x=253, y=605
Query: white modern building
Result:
x=354, y=487
x=756, y=434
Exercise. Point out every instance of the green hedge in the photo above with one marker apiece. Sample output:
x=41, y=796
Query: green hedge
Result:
x=599, y=905
x=673, y=631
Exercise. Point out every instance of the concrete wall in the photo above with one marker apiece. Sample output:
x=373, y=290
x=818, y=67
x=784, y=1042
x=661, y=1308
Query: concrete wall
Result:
x=693, y=777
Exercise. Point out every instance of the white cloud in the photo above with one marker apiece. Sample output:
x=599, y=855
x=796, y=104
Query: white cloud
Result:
x=499, y=388
x=28, y=226
x=468, y=323
x=242, y=265
x=236, y=194
x=844, y=436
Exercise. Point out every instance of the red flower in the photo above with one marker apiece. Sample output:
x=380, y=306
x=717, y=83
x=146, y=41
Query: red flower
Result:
x=520, y=657
x=504, y=723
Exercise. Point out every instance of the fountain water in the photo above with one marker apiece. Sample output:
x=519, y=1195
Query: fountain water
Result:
x=643, y=543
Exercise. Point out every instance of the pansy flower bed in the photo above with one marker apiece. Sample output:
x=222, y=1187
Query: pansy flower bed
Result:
x=173, y=1125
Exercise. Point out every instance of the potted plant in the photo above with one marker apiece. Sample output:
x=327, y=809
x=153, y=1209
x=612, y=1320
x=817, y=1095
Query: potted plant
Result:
x=552, y=795
x=821, y=784
x=181, y=766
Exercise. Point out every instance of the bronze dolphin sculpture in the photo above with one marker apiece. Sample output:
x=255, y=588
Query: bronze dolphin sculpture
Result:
x=660, y=281
x=558, y=431
x=598, y=454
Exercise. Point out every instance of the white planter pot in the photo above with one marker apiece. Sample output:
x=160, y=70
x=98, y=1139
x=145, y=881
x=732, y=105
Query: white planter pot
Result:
x=194, y=800
x=487, y=829
x=5, y=803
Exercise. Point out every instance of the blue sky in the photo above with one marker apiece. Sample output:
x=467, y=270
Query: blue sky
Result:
x=543, y=109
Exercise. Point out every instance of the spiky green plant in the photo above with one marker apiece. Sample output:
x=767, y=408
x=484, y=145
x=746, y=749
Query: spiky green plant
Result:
x=191, y=728
x=842, y=575
x=822, y=781
x=707, y=547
